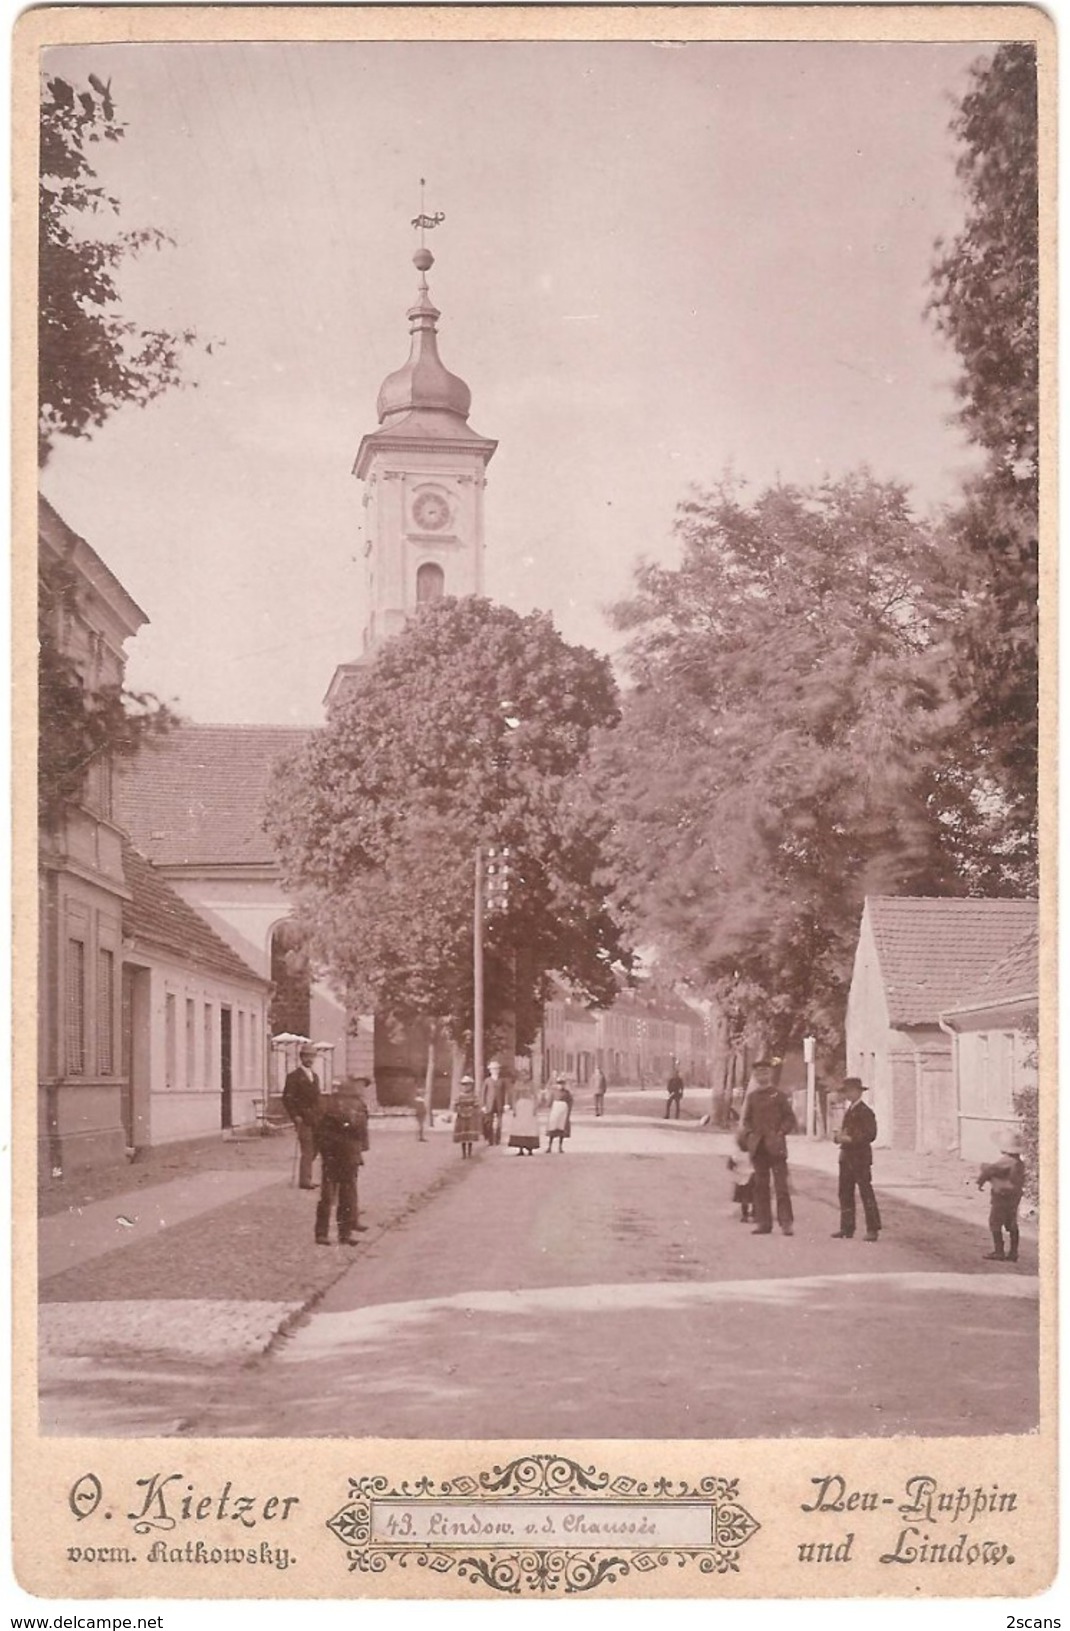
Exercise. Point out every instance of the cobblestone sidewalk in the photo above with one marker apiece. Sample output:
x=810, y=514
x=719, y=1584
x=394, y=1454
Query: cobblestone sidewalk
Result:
x=221, y=1280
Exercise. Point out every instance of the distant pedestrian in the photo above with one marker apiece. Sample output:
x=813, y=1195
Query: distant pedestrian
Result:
x=524, y=1133
x=742, y=1176
x=557, y=1125
x=466, y=1120
x=419, y=1105
x=675, y=1090
x=766, y=1121
x=301, y=1101
x=563, y=1091
x=1007, y=1180
x=342, y=1138
x=599, y=1090
x=493, y=1103
x=855, y=1138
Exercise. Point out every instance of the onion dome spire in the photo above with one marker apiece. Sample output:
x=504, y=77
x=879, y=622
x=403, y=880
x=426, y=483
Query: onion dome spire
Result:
x=424, y=384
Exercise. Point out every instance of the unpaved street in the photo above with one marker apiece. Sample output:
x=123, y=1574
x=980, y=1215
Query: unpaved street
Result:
x=612, y=1292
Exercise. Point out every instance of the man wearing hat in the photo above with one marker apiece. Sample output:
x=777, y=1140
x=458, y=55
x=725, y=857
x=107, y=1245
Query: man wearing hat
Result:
x=766, y=1121
x=1007, y=1179
x=855, y=1138
x=342, y=1138
x=493, y=1102
x=301, y=1101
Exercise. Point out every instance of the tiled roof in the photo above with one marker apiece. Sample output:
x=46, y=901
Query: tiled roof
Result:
x=157, y=916
x=934, y=952
x=1015, y=976
x=197, y=796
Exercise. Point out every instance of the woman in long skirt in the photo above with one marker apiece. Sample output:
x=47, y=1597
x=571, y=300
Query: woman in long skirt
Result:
x=466, y=1124
x=524, y=1135
x=557, y=1125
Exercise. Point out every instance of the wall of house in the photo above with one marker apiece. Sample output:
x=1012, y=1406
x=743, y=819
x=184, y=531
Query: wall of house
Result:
x=181, y=1022
x=80, y=1068
x=994, y=1060
x=244, y=911
x=887, y=1069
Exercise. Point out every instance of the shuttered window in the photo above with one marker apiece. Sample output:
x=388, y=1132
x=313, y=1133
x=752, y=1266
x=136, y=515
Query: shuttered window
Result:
x=74, y=1015
x=105, y=1011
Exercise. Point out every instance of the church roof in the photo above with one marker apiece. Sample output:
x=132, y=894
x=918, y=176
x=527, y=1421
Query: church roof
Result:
x=198, y=795
x=156, y=917
x=934, y=951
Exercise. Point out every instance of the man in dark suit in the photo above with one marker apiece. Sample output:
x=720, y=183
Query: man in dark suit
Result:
x=341, y=1137
x=855, y=1138
x=493, y=1103
x=675, y=1091
x=766, y=1121
x=301, y=1100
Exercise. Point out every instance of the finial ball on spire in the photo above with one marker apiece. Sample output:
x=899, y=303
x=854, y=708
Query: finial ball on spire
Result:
x=423, y=260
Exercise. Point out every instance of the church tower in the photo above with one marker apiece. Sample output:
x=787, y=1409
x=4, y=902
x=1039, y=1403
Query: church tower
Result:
x=424, y=473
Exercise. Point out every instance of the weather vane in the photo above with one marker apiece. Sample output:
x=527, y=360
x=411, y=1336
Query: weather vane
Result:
x=422, y=221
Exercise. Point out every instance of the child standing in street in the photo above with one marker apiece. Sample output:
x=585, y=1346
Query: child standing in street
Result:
x=466, y=1118
x=1006, y=1178
x=419, y=1104
x=742, y=1180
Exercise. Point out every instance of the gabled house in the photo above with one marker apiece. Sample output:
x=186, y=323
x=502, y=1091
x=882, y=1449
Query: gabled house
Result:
x=917, y=957
x=195, y=1032
x=194, y=804
x=993, y=1048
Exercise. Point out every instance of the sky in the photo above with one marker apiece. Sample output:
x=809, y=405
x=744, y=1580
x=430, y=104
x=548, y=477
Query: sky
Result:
x=658, y=263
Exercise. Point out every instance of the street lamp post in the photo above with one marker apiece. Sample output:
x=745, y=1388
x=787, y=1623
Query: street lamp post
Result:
x=497, y=896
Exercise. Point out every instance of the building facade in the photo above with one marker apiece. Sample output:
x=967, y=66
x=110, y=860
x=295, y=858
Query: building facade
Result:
x=916, y=957
x=150, y=1027
x=82, y=887
x=994, y=1049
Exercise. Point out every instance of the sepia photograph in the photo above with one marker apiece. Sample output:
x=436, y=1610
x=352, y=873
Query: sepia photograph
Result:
x=541, y=935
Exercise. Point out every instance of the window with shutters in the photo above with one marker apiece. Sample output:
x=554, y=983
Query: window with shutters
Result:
x=191, y=1041
x=170, y=1039
x=74, y=1016
x=105, y=1011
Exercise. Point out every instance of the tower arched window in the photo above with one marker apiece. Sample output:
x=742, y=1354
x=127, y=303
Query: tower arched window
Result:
x=430, y=583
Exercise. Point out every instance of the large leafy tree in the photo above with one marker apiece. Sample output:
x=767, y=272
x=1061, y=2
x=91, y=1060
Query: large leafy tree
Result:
x=472, y=726
x=985, y=299
x=782, y=749
x=92, y=357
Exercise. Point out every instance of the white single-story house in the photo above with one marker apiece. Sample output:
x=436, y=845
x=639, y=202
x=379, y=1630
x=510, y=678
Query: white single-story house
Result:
x=917, y=957
x=994, y=1048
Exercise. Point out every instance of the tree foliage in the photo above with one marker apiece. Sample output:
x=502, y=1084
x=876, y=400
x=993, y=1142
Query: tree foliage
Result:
x=780, y=755
x=79, y=725
x=985, y=299
x=91, y=358
x=471, y=725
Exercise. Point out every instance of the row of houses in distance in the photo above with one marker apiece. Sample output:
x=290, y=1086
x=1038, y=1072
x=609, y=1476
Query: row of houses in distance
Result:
x=649, y=1032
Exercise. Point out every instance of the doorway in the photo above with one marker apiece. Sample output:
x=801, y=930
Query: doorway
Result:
x=136, y=1041
x=225, y=1080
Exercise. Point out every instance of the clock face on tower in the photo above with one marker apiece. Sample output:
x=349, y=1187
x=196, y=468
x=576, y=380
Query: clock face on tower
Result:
x=430, y=511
